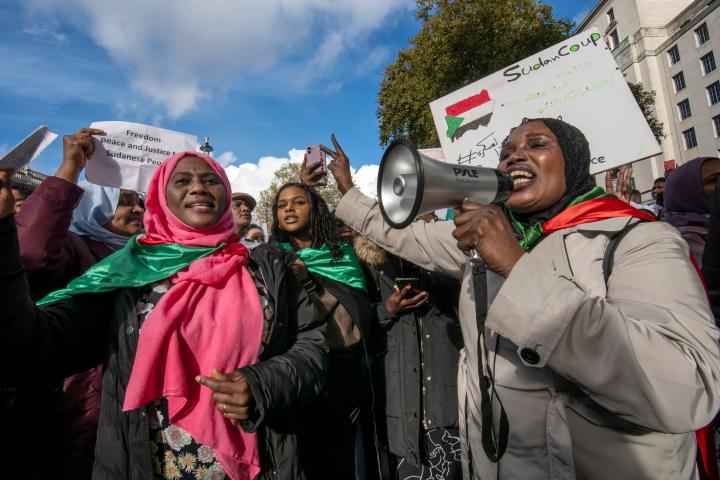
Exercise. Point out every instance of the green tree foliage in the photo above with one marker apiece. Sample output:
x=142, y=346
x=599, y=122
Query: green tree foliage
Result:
x=459, y=42
x=288, y=173
x=646, y=102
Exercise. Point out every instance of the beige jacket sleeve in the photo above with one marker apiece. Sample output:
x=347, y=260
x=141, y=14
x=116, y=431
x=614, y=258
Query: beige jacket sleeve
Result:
x=428, y=245
x=647, y=352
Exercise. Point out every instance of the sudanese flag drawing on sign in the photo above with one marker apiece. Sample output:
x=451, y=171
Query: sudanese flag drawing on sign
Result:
x=468, y=114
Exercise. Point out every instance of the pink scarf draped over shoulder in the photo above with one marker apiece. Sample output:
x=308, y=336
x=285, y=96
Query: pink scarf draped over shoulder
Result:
x=210, y=318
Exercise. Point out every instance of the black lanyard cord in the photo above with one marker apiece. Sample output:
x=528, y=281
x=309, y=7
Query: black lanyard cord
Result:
x=493, y=445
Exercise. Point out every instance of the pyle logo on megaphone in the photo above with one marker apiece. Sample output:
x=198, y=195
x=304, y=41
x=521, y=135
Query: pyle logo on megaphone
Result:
x=411, y=184
x=465, y=172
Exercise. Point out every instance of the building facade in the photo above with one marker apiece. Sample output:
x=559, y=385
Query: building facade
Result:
x=669, y=46
x=28, y=177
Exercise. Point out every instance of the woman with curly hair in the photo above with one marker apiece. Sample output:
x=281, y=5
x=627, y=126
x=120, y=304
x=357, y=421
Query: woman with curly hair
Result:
x=302, y=218
x=302, y=222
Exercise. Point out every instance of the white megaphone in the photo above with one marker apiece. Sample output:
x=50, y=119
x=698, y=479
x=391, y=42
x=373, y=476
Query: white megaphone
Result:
x=411, y=184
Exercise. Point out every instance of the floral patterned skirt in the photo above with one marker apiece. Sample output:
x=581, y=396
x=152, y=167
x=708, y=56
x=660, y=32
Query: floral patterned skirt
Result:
x=175, y=454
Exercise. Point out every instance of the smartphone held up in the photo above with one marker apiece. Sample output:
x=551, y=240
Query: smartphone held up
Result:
x=402, y=282
x=317, y=163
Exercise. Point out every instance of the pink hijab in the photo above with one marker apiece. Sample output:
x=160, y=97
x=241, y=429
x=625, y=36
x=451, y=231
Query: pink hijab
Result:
x=210, y=318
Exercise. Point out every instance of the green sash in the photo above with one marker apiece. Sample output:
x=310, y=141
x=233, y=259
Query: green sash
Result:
x=320, y=261
x=135, y=265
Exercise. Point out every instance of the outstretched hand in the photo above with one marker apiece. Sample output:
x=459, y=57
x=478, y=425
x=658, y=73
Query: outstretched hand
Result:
x=339, y=166
x=623, y=185
x=232, y=394
x=7, y=201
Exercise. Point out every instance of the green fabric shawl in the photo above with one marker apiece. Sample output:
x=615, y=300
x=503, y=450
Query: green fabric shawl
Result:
x=320, y=261
x=136, y=265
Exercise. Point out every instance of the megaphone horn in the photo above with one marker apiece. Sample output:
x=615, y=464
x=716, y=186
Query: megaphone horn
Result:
x=411, y=184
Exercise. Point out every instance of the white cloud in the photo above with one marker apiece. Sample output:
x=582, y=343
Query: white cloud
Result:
x=179, y=52
x=253, y=178
x=49, y=29
x=377, y=57
x=365, y=179
x=226, y=159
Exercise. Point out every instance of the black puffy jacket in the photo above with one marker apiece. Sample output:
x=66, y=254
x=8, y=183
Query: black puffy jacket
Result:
x=73, y=335
x=416, y=358
x=711, y=256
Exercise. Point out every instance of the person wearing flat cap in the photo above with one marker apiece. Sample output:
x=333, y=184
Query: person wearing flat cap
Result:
x=242, y=208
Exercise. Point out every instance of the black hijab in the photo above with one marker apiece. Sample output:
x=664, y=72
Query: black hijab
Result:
x=578, y=181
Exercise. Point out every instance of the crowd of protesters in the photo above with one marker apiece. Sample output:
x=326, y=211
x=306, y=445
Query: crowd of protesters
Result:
x=165, y=335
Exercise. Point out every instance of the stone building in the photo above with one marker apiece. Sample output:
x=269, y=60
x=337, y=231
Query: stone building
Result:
x=28, y=177
x=668, y=46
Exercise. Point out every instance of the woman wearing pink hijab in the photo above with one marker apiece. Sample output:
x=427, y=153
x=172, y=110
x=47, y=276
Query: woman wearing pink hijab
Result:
x=208, y=349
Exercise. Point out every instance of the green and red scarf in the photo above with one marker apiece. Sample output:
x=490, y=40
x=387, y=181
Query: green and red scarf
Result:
x=593, y=206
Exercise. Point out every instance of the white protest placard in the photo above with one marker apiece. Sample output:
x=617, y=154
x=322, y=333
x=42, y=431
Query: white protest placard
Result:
x=28, y=150
x=129, y=154
x=576, y=80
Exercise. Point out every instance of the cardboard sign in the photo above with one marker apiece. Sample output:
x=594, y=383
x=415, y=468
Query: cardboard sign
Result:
x=28, y=150
x=576, y=80
x=130, y=152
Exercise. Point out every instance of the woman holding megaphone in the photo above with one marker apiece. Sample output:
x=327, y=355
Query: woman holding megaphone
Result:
x=598, y=356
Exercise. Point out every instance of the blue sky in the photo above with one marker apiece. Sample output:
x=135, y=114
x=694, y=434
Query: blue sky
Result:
x=262, y=80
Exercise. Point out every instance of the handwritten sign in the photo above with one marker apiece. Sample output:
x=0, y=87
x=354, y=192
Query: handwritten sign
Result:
x=130, y=152
x=576, y=80
x=28, y=150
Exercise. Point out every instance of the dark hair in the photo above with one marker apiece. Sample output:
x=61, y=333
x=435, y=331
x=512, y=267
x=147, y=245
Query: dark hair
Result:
x=635, y=192
x=254, y=225
x=322, y=222
x=659, y=179
x=25, y=190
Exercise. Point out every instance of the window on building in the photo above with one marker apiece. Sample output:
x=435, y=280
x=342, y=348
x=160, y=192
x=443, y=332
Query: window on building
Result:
x=611, y=16
x=690, y=138
x=716, y=125
x=679, y=81
x=614, y=39
x=701, y=34
x=714, y=93
x=684, y=109
x=673, y=55
x=708, y=63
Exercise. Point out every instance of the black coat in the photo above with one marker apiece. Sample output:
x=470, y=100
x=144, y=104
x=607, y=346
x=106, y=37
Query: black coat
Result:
x=416, y=359
x=347, y=399
x=73, y=335
x=711, y=256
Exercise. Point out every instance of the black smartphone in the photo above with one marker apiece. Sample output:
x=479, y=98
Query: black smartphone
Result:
x=401, y=282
